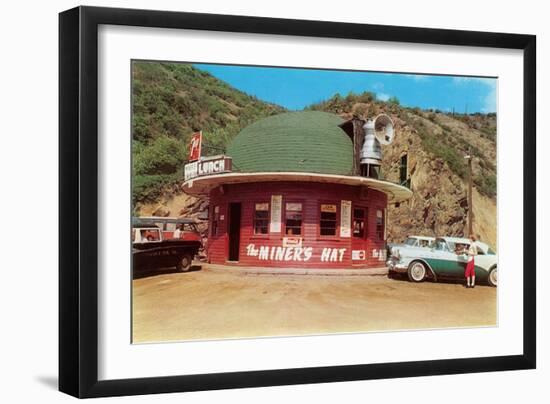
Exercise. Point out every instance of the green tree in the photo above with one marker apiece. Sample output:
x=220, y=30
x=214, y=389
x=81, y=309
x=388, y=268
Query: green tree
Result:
x=163, y=156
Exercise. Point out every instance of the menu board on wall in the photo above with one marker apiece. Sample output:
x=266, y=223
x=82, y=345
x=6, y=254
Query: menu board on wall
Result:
x=345, y=219
x=276, y=203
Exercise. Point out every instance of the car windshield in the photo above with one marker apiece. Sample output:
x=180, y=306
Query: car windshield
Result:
x=410, y=241
x=482, y=248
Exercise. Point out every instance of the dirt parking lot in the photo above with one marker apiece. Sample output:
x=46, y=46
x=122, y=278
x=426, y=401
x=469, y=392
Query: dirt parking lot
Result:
x=207, y=304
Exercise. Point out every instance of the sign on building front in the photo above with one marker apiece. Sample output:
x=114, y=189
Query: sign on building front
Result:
x=276, y=206
x=207, y=166
x=195, y=146
x=345, y=214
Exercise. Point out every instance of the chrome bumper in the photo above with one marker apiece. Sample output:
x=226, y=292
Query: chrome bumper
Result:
x=395, y=266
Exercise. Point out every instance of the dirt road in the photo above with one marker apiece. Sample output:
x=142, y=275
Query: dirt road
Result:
x=211, y=305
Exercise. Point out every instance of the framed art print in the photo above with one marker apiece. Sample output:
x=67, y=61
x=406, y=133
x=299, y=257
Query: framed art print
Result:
x=250, y=202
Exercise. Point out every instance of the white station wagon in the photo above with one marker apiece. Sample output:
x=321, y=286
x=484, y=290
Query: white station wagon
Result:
x=410, y=242
x=444, y=261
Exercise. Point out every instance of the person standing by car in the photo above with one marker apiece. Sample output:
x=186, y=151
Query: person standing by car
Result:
x=470, y=271
x=177, y=232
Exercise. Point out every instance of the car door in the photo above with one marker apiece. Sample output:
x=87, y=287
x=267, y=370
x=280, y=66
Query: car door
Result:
x=445, y=262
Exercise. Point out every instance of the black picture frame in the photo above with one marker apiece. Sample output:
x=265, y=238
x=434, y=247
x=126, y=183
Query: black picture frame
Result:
x=78, y=201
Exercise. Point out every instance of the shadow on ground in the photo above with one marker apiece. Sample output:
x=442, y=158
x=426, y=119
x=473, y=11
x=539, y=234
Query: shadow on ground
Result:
x=146, y=273
x=48, y=381
x=450, y=281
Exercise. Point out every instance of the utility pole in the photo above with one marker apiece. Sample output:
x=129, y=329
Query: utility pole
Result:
x=470, y=186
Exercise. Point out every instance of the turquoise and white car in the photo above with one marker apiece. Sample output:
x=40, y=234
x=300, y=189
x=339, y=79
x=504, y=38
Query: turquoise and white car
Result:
x=444, y=261
x=411, y=242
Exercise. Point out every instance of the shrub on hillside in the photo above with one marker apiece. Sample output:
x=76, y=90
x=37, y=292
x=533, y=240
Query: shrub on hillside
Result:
x=163, y=156
x=486, y=184
x=149, y=188
x=394, y=100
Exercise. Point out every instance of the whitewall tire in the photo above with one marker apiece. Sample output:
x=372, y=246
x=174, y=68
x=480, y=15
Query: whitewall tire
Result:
x=492, y=278
x=417, y=272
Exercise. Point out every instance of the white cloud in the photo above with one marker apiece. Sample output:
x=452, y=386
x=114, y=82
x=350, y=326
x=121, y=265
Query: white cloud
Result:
x=488, y=101
x=383, y=96
x=418, y=77
x=482, y=80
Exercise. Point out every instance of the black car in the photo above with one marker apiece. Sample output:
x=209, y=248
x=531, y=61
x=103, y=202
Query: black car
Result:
x=150, y=249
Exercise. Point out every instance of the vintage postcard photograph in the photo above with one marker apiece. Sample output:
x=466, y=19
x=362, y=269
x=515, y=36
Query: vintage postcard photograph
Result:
x=284, y=201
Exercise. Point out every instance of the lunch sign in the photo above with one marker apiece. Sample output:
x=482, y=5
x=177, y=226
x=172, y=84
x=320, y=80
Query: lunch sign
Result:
x=207, y=166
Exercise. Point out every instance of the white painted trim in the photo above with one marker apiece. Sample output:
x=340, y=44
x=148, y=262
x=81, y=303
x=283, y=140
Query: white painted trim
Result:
x=202, y=185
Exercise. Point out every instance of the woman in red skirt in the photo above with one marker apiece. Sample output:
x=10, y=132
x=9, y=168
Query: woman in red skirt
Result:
x=470, y=272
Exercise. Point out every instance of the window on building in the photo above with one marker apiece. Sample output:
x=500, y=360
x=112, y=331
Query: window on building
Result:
x=261, y=217
x=327, y=223
x=215, y=220
x=293, y=219
x=359, y=222
x=403, y=169
x=380, y=224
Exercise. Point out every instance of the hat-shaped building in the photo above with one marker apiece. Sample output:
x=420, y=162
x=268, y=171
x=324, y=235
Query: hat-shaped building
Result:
x=292, y=191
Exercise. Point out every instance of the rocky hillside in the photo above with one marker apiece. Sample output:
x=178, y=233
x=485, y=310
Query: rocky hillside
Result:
x=439, y=179
x=435, y=143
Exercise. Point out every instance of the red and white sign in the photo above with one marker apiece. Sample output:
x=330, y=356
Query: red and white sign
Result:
x=292, y=241
x=195, y=146
x=294, y=253
x=345, y=219
x=207, y=166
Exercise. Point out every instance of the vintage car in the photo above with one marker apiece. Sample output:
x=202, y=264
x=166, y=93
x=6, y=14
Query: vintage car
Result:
x=444, y=260
x=411, y=242
x=151, y=250
x=172, y=227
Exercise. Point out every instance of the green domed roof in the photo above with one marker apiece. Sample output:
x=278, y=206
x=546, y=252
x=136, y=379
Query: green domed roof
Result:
x=295, y=141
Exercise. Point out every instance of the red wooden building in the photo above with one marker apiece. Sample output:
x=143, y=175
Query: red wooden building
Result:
x=297, y=190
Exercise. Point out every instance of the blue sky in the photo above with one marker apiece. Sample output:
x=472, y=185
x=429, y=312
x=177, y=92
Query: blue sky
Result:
x=298, y=88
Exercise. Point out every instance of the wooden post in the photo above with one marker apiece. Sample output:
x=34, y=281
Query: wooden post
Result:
x=470, y=186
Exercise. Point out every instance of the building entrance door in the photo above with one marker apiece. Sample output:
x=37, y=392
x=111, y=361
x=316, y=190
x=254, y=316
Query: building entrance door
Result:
x=234, y=231
x=359, y=236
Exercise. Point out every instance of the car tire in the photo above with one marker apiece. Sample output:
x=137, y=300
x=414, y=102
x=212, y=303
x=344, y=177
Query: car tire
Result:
x=417, y=271
x=492, y=278
x=184, y=263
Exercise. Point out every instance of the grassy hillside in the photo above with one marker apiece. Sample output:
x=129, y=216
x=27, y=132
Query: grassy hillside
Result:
x=170, y=102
